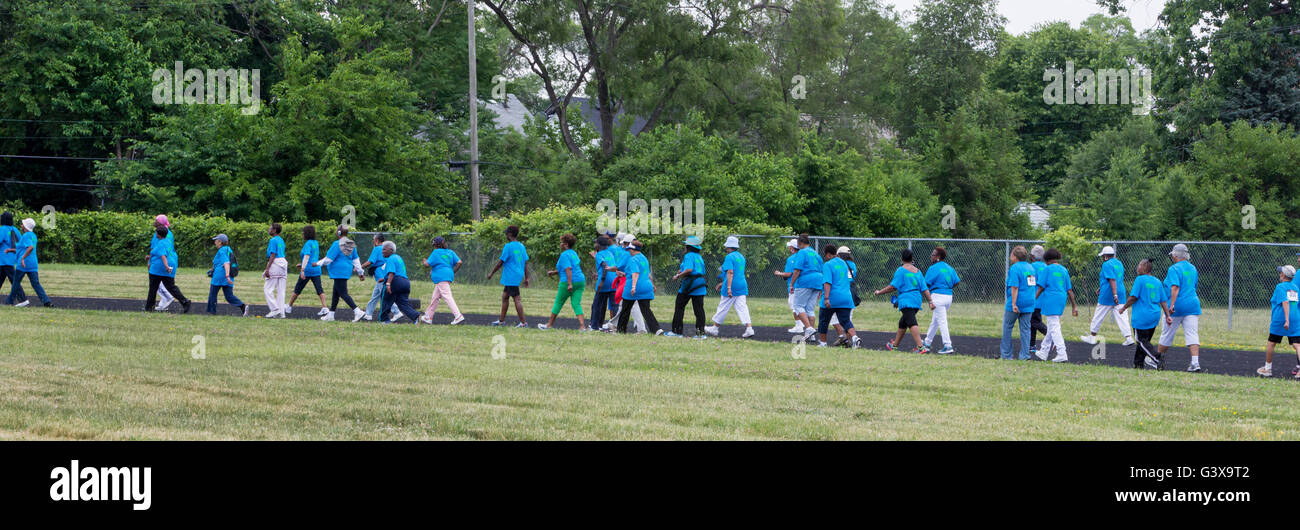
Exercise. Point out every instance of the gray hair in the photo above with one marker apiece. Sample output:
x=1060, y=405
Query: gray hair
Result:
x=1037, y=252
x=389, y=245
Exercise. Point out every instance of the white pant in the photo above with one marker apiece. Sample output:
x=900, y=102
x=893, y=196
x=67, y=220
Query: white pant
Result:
x=1102, y=311
x=273, y=287
x=790, y=300
x=1191, y=331
x=939, y=319
x=726, y=303
x=1053, y=339
x=164, y=298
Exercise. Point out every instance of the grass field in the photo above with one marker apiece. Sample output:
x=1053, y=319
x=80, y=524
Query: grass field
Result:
x=71, y=374
x=1250, y=326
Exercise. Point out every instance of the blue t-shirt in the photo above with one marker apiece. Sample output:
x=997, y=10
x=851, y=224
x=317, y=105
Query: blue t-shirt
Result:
x=941, y=278
x=275, y=247
x=341, y=266
x=1285, y=293
x=909, y=285
x=1149, y=294
x=810, y=266
x=376, y=259
x=789, y=267
x=218, y=271
x=442, y=263
x=694, y=284
x=1021, y=276
x=1055, y=281
x=620, y=256
x=160, y=247
x=28, y=240
x=1184, y=275
x=311, y=249
x=8, y=239
x=1039, y=267
x=734, y=262
x=605, y=258
x=394, y=264
x=513, y=257
x=569, y=259
x=839, y=274
x=1112, y=269
x=644, y=289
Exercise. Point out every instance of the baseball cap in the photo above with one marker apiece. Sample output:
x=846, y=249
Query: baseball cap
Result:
x=1287, y=271
x=627, y=238
x=732, y=242
x=222, y=238
x=843, y=250
x=1179, y=248
x=1107, y=251
x=794, y=243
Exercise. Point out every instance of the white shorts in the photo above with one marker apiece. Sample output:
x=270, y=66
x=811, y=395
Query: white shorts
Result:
x=790, y=300
x=1191, y=330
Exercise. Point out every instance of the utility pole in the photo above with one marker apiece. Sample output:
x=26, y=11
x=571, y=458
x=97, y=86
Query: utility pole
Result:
x=473, y=118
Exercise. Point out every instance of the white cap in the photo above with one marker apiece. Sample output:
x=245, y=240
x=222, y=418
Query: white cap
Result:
x=29, y=224
x=843, y=250
x=732, y=242
x=626, y=238
x=793, y=243
x=1107, y=251
x=1287, y=271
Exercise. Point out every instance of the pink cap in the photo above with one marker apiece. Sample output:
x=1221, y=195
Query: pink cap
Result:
x=162, y=220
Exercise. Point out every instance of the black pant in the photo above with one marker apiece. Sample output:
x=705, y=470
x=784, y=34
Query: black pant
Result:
x=398, y=298
x=625, y=313
x=679, y=310
x=1036, y=326
x=341, y=293
x=1143, y=347
x=7, y=273
x=168, y=282
x=598, y=305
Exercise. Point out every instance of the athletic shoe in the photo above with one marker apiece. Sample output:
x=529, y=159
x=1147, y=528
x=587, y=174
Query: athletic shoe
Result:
x=288, y=309
x=426, y=320
x=521, y=325
x=1295, y=372
x=921, y=350
x=49, y=304
x=367, y=316
x=1034, y=352
x=1061, y=359
x=1128, y=341
x=857, y=342
x=329, y=316
x=659, y=332
x=808, y=333
x=1194, y=368
x=926, y=343
x=749, y=332
x=272, y=314
x=323, y=311
x=1297, y=376
x=359, y=315
x=843, y=341
x=397, y=315
x=496, y=323
x=821, y=344
x=889, y=345
x=543, y=327
x=23, y=303
x=457, y=320
x=1264, y=372
x=699, y=337
x=162, y=306
x=711, y=330
x=1090, y=339
x=185, y=306
x=947, y=350
x=671, y=334
x=1040, y=354
x=244, y=309
x=798, y=328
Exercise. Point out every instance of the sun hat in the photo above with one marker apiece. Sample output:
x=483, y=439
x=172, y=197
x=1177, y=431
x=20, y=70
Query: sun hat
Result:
x=693, y=241
x=1107, y=251
x=843, y=250
x=732, y=242
x=29, y=224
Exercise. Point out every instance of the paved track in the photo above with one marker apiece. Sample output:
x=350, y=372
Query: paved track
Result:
x=1213, y=361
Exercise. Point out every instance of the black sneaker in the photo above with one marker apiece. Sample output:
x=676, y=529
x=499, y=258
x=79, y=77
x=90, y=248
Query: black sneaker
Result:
x=49, y=304
x=185, y=306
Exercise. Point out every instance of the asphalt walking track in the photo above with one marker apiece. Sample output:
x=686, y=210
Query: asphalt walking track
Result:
x=1213, y=361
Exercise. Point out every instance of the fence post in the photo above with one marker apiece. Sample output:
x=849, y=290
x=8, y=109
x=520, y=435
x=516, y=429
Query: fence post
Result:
x=1006, y=257
x=909, y=244
x=1232, y=261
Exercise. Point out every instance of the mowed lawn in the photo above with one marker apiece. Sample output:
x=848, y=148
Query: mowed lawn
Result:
x=69, y=374
x=1250, y=326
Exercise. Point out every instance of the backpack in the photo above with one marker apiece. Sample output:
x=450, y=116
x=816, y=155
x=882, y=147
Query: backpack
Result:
x=234, y=266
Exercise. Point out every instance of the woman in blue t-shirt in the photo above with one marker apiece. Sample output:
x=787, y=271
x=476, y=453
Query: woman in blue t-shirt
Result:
x=308, y=271
x=1149, y=303
x=221, y=277
x=27, y=266
x=8, y=250
x=443, y=263
x=909, y=282
x=638, y=290
x=1053, y=290
x=692, y=289
x=572, y=282
x=1285, y=321
x=734, y=289
x=162, y=268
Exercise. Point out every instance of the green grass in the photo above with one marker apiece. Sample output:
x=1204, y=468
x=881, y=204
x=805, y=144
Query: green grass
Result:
x=70, y=374
x=1250, y=326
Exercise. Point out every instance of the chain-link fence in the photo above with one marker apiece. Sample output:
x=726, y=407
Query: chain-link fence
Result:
x=1233, y=275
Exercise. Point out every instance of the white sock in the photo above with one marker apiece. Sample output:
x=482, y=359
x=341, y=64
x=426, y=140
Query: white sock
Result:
x=1268, y=366
x=1196, y=360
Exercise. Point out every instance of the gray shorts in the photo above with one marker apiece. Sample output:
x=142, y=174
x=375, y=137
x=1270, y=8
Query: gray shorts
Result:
x=805, y=300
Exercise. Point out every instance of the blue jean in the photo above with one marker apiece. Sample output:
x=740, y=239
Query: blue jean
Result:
x=1008, y=318
x=376, y=298
x=228, y=290
x=17, y=291
x=399, y=300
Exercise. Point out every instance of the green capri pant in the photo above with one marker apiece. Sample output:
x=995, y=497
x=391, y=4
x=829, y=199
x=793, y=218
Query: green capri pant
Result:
x=562, y=294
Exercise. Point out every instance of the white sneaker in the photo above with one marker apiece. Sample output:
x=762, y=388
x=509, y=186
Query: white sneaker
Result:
x=273, y=314
x=659, y=331
x=749, y=332
x=246, y=310
x=358, y=316
x=1090, y=339
x=458, y=320
x=1128, y=341
x=323, y=311
x=543, y=327
x=23, y=303
x=367, y=317
x=798, y=328
x=1041, y=354
x=287, y=309
x=162, y=306
x=711, y=330
x=808, y=333
x=329, y=316
x=521, y=325
x=1061, y=359
x=1264, y=372
x=397, y=315
x=426, y=320
x=857, y=342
